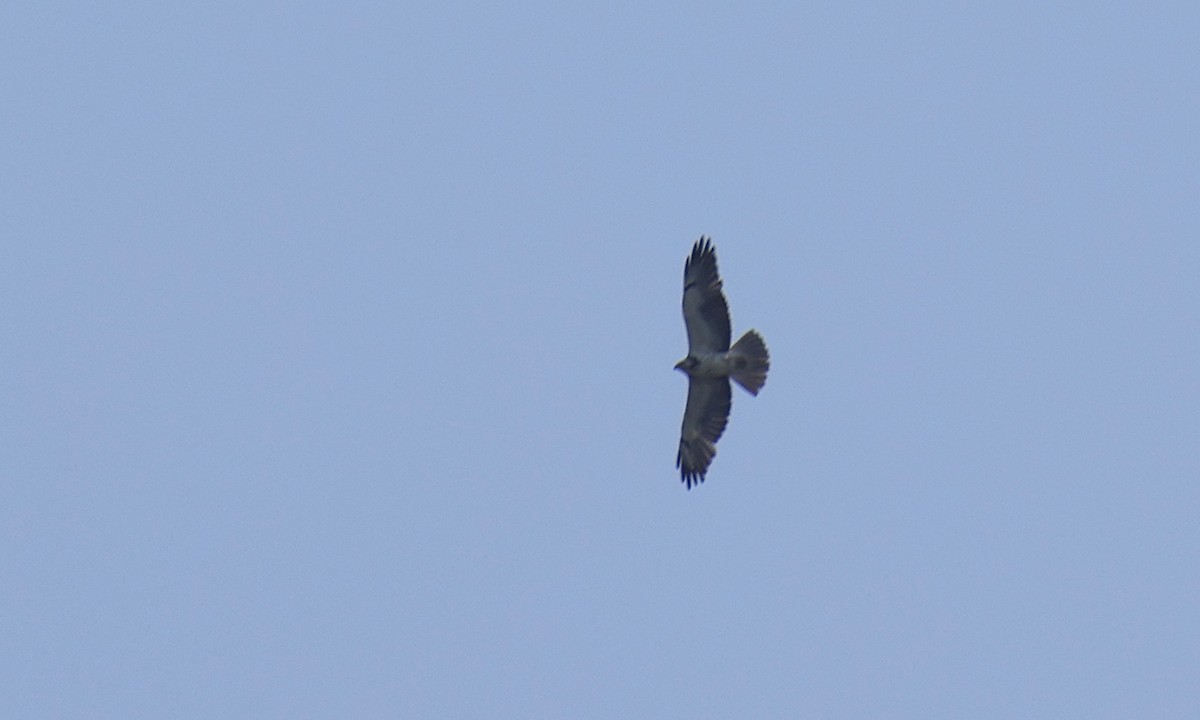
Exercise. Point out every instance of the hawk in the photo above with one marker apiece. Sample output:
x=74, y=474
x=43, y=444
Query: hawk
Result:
x=710, y=363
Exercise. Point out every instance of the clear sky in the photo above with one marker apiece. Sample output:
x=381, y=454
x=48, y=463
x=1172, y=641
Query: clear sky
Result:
x=336, y=373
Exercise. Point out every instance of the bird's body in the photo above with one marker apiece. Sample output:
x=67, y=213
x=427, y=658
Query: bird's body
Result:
x=708, y=365
x=711, y=363
x=715, y=365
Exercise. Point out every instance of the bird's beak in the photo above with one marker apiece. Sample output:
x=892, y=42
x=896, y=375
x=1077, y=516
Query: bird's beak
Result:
x=679, y=365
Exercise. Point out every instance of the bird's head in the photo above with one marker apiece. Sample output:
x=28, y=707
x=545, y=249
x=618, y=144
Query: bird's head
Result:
x=687, y=364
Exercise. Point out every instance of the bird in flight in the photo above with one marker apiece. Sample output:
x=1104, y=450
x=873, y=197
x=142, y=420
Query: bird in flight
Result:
x=710, y=363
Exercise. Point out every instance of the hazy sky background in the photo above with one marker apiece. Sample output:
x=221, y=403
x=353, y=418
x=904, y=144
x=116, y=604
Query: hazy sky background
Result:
x=336, y=372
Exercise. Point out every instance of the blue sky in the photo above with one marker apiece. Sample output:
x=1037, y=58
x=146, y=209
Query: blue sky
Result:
x=338, y=344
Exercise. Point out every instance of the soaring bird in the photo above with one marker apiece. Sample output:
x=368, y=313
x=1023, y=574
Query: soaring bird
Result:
x=710, y=363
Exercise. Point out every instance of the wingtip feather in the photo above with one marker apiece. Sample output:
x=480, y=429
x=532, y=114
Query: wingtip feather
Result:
x=693, y=459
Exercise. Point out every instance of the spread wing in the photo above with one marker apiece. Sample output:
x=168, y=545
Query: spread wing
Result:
x=705, y=312
x=704, y=420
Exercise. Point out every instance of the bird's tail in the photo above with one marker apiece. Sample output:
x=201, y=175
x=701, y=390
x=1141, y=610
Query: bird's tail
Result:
x=750, y=362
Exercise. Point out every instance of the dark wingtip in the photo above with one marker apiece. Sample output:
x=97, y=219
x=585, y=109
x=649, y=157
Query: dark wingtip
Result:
x=688, y=476
x=702, y=252
x=691, y=478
